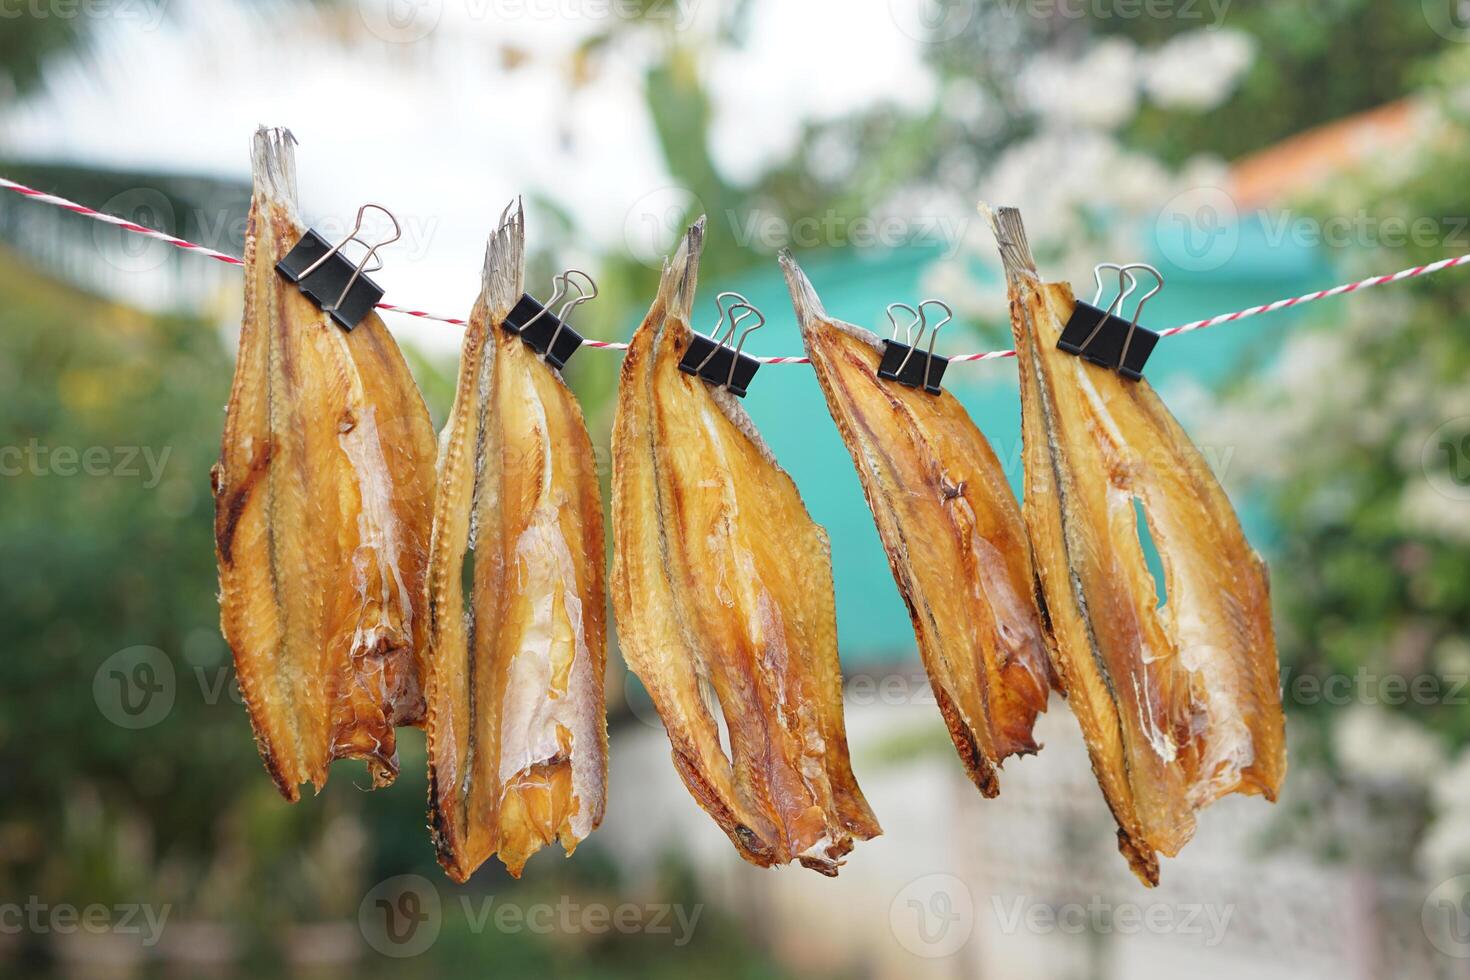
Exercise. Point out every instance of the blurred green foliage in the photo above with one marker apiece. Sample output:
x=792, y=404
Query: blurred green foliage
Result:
x=1316, y=61
x=1359, y=585
x=25, y=44
x=1371, y=568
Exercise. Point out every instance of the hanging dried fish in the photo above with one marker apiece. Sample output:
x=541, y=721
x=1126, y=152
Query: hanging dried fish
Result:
x=1179, y=703
x=954, y=537
x=323, y=494
x=722, y=588
x=517, y=728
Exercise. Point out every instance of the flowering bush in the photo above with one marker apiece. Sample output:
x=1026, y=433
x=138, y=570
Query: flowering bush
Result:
x=1366, y=420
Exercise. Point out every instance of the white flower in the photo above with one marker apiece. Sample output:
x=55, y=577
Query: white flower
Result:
x=971, y=297
x=1445, y=849
x=1197, y=70
x=833, y=155
x=1451, y=790
x=1452, y=654
x=965, y=101
x=1426, y=509
x=1378, y=746
x=1100, y=89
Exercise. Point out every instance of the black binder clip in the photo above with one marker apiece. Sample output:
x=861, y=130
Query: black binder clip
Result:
x=547, y=333
x=1106, y=339
x=328, y=277
x=712, y=359
x=899, y=363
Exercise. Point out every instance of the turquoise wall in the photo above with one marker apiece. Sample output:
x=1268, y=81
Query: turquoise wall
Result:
x=787, y=404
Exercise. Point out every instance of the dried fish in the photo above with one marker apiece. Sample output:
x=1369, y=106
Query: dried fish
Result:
x=722, y=589
x=1179, y=702
x=954, y=537
x=517, y=726
x=323, y=495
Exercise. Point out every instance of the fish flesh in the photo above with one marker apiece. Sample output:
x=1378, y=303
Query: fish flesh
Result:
x=323, y=495
x=722, y=593
x=517, y=724
x=954, y=537
x=1178, y=699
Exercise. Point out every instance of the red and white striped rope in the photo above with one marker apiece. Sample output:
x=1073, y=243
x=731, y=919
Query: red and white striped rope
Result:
x=1280, y=304
x=136, y=229
x=1351, y=287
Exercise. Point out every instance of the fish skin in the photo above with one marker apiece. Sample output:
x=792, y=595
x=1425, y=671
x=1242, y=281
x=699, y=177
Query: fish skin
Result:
x=954, y=537
x=722, y=592
x=517, y=724
x=1179, y=705
x=323, y=493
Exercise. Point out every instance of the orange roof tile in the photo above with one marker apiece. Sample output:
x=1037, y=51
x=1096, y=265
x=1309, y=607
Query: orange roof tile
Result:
x=1298, y=162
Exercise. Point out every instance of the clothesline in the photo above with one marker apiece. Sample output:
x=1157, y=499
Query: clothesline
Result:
x=1280, y=304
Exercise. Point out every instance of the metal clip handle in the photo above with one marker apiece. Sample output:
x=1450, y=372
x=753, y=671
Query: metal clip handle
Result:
x=1125, y=273
x=920, y=318
x=372, y=253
